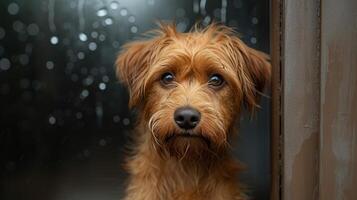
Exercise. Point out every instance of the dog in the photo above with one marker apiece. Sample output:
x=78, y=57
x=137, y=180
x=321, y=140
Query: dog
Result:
x=188, y=90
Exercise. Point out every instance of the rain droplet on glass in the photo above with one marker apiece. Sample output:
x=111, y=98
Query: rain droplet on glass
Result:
x=102, y=142
x=131, y=19
x=253, y=40
x=134, y=29
x=80, y=55
x=5, y=64
x=18, y=26
x=126, y=121
x=83, y=37
x=33, y=29
x=13, y=8
x=101, y=37
x=88, y=81
x=181, y=26
x=92, y=46
x=255, y=20
x=95, y=25
x=84, y=94
x=50, y=65
x=54, y=40
x=102, y=86
x=24, y=59
x=124, y=12
x=108, y=21
x=105, y=78
x=79, y=115
x=52, y=120
x=115, y=44
x=94, y=34
x=206, y=20
x=116, y=119
x=102, y=12
x=114, y=5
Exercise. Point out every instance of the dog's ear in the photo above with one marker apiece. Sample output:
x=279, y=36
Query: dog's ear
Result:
x=258, y=71
x=134, y=60
x=254, y=72
x=131, y=66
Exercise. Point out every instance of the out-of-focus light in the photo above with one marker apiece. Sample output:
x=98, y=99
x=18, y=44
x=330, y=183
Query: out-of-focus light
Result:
x=54, y=40
x=131, y=19
x=13, y=8
x=134, y=29
x=124, y=12
x=5, y=64
x=92, y=46
x=33, y=29
x=108, y=21
x=102, y=86
x=52, y=120
x=102, y=12
x=83, y=37
x=114, y=5
x=50, y=65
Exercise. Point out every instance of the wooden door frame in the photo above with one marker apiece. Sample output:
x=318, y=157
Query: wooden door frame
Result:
x=295, y=58
x=314, y=99
x=295, y=40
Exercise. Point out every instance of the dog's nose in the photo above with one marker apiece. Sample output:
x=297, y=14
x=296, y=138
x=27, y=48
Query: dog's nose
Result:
x=187, y=117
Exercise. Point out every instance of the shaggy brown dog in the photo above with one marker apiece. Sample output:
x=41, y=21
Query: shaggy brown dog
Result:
x=188, y=89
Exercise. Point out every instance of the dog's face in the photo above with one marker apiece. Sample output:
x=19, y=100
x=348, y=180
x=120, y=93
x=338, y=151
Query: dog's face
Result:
x=189, y=87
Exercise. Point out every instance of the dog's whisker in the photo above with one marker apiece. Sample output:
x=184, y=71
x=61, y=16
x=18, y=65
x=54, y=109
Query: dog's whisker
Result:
x=186, y=150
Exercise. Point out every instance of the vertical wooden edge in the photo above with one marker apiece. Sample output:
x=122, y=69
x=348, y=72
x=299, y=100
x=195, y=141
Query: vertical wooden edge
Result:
x=276, y=87
x=300, y=99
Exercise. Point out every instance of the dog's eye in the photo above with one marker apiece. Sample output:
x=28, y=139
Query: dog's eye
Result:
x=216, y=81
x=167, y=78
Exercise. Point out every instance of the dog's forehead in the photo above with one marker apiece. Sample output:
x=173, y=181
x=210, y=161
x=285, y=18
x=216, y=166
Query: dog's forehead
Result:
x=190, y=53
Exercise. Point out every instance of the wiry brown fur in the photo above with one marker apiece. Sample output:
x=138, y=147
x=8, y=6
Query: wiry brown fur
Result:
x=165, y=165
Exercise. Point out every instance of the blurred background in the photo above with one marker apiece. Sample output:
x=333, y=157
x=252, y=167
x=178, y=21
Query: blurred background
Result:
x=63, y=116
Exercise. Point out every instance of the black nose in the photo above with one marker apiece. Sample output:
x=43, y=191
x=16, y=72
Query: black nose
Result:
x=187, y=117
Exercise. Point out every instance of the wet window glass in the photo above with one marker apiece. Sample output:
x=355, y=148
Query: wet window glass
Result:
x=64, y=116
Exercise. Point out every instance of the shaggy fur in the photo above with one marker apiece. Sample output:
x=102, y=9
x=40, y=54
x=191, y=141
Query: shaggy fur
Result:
x=164, y=164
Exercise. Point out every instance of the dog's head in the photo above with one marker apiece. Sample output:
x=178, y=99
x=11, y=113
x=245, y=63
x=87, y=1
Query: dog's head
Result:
x=189, y=87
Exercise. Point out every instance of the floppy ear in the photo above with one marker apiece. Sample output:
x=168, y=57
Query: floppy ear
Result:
x=133, y=62
x=131, y=67
x=254, y=72
x=258, y=71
